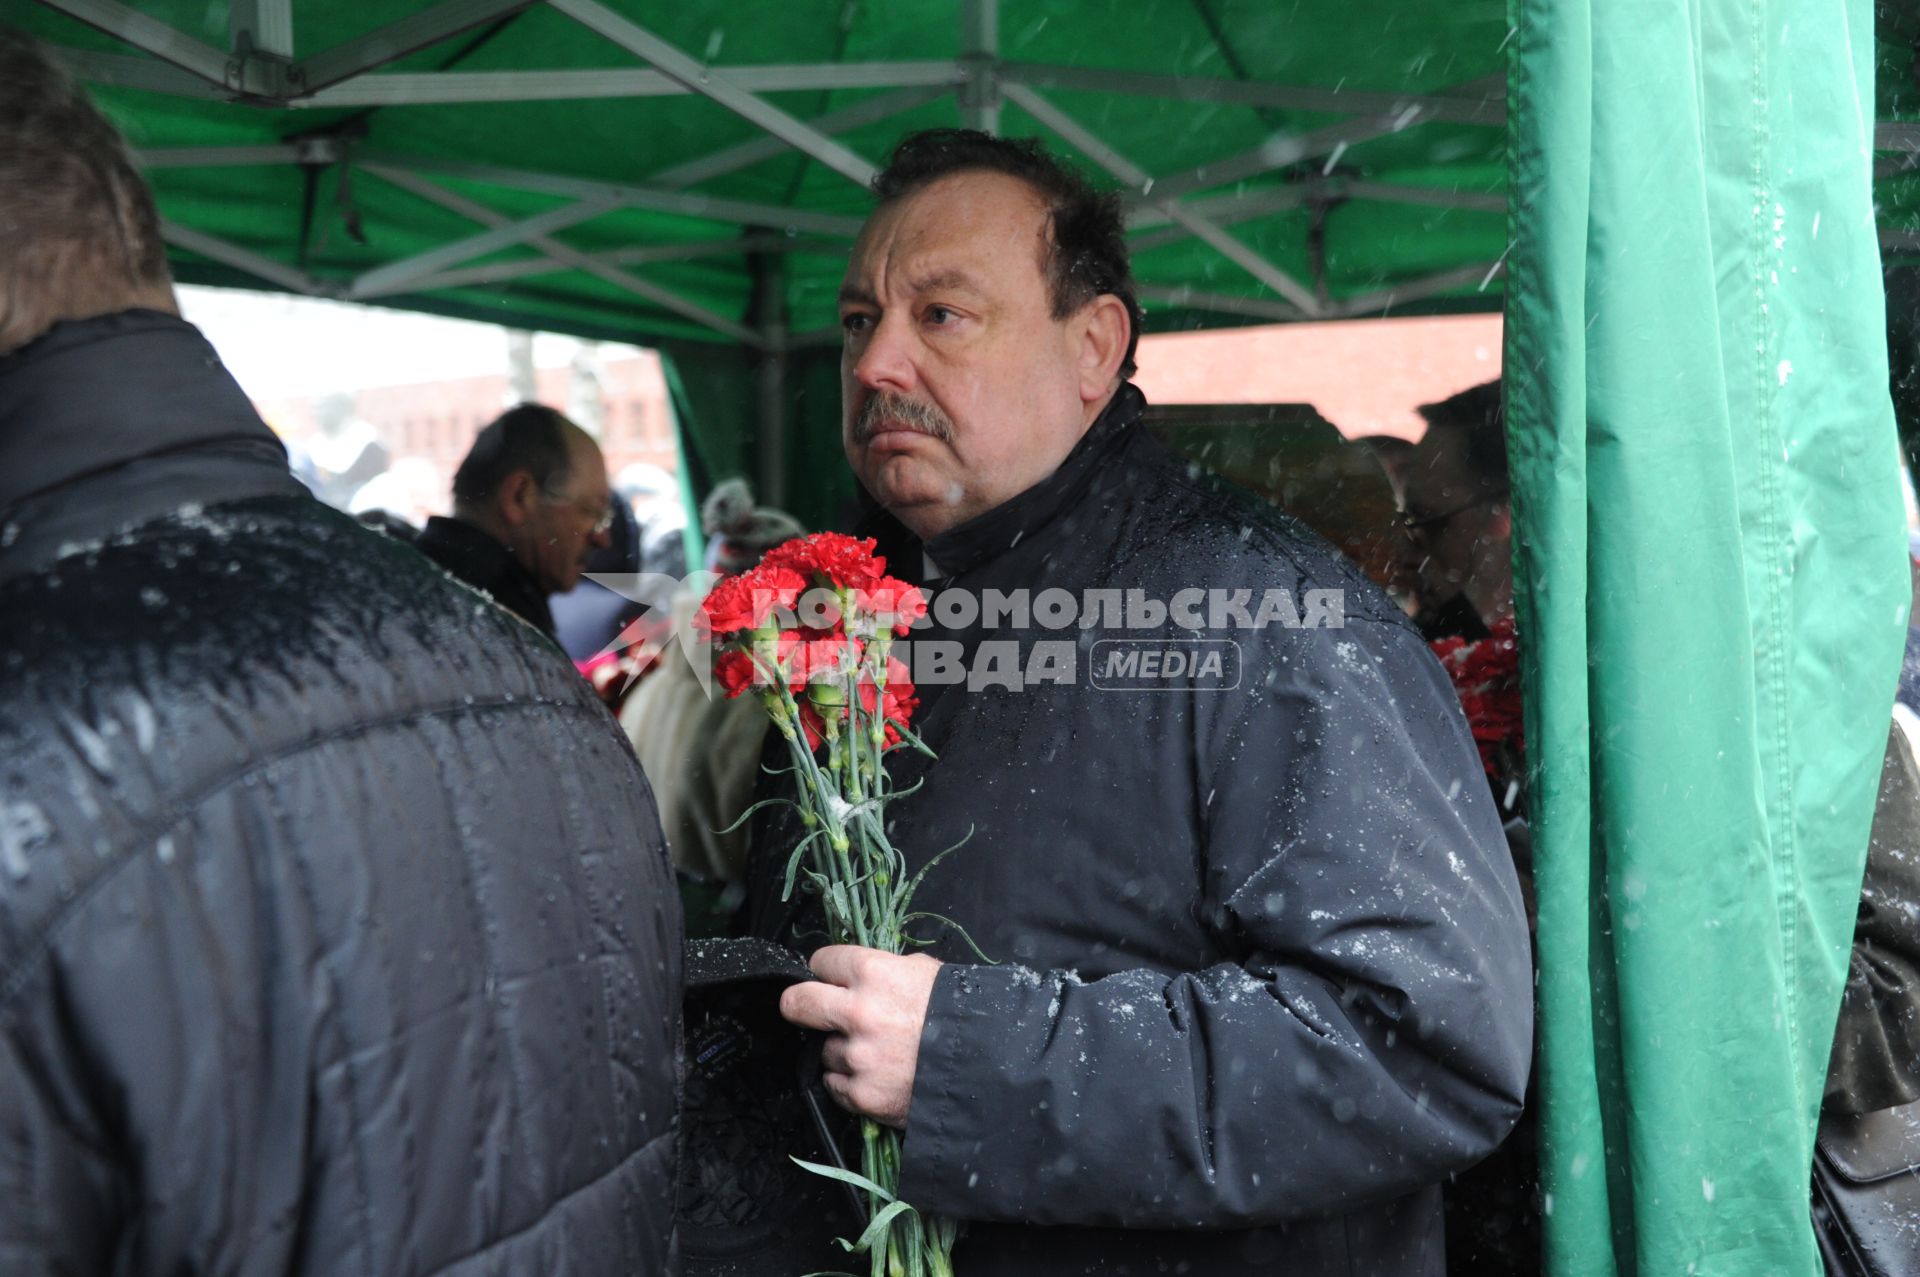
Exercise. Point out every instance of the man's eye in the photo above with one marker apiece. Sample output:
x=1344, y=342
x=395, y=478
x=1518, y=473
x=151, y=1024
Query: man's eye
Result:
x=855, y=324
x=939, y=315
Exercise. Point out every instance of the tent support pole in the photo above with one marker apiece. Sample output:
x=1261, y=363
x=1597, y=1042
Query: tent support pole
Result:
x=773, y=432
x=1226, y=304
x=1462, y=104
x=1480, y=274
x=153, y=36
x=766, y=147
x=980, y=57
x=260, y=28
x=769, y=315
x=645, y=195
x=227, y=254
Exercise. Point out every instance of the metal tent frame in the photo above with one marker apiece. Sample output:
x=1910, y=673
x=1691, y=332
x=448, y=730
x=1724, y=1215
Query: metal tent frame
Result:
x=260, y=68
x=263, y=66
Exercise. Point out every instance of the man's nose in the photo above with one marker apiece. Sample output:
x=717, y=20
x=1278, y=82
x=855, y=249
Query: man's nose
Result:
x=886, y=360
x=600, y=538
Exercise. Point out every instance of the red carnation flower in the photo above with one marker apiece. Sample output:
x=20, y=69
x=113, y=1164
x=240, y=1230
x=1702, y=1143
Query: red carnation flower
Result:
x=1486, y=677
x=895, y=602
x=842, y=560
x=744, y=602
x=899, y=699
x=807, y=654
x=735, y=671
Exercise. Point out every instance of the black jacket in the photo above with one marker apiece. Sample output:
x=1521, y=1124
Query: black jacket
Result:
x=482, y=562
x=337, y=935
x=1876, y=1043
x=1263, y=972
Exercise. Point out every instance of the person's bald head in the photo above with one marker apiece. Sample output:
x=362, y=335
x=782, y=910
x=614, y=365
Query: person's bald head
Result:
x=536, y=482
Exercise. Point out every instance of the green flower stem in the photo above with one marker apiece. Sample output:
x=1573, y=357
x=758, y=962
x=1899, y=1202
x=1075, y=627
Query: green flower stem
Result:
x=877, y=863
x=870, y=908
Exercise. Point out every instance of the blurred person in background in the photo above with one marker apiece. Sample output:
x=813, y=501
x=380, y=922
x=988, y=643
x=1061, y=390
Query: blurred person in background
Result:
x=308, y=865
x=654, y=497
x=590, y=616
x=1455, y=518
x=700, y=750
x=409, y=489
x=530, y=503
x=1458, y=532
x=347, y=453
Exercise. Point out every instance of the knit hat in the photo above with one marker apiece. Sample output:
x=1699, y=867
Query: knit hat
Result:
x=739, y=532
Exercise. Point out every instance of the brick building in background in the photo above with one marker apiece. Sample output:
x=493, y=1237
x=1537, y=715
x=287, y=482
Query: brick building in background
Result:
x=427, y=427
x=1366, y=377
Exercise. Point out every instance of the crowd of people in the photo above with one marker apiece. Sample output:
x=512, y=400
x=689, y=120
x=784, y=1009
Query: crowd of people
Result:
x=342, y=925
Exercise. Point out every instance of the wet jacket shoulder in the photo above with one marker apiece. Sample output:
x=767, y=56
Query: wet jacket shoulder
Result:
x=473, y=556
x=336, y=932
x=1263, y=975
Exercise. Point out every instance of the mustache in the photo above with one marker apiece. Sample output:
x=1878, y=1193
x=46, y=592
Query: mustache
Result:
x=886, y=406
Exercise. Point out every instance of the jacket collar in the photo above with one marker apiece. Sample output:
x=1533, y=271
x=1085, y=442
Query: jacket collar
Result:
x=476, y=557
x=91, y=395
x=109, y=423
x=986, y=536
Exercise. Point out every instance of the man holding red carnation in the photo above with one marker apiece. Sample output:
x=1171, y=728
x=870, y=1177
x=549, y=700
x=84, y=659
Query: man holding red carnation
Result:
x=1260, y=978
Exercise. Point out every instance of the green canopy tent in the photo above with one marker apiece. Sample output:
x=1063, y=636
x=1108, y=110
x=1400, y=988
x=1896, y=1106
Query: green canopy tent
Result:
x=690, y=176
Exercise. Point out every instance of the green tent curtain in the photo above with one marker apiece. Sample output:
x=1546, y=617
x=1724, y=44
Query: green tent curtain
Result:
x=715, y=395
x=1712, y=600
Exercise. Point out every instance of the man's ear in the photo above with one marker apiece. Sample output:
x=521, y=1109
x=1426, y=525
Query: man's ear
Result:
x=516, y=499
x=1102, y=328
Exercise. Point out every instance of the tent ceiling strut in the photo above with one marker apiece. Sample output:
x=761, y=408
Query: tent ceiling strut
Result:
x=397, y=40
x=401, y=275
x=663, y=297
x=1216, y=237
x=979, y=54
x=711, y=84
x=260, y=69
x=230, y=254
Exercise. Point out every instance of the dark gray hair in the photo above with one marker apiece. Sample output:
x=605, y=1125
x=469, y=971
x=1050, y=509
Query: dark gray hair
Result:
x=528, y=436
x=1480, y=414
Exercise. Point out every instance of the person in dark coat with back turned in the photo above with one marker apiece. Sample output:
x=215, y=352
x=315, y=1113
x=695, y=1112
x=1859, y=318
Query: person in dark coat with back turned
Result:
x=530, y=503
x=1263, y=977
x=337, y=936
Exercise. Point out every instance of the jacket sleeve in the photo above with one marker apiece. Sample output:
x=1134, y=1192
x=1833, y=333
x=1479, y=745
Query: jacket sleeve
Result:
x=1876, y=1045
x=1370, y=1033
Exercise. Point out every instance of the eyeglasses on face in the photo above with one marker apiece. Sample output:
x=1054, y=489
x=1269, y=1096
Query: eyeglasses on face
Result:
x=600, y=512
x=1427, y=524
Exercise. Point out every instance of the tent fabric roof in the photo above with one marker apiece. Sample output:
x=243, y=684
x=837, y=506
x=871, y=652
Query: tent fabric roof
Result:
x=671, y=173
x=695, y=172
